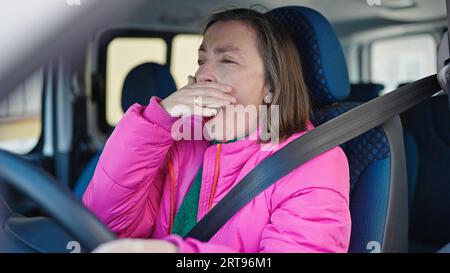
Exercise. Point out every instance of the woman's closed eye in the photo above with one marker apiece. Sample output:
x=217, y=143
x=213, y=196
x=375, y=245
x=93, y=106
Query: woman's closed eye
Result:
x=228, y=61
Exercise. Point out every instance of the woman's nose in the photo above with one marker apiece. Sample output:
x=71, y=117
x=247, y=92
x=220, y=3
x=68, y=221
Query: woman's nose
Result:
x=205, y=73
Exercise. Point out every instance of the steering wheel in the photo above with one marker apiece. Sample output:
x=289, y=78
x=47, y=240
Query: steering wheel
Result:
x=51, y=197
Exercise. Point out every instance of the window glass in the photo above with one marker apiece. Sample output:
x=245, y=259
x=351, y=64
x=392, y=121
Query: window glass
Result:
x=20, y=116
x=402, y=60
x=184, y=57
x=124, y=54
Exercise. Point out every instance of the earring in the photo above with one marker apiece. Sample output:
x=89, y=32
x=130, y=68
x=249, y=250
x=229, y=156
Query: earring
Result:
x=268, y=98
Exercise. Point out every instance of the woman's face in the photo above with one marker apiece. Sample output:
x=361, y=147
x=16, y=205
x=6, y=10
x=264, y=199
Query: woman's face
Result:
x=229, y=55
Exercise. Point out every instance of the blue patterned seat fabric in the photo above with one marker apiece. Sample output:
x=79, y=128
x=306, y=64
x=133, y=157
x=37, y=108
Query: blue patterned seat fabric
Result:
x=369, y=155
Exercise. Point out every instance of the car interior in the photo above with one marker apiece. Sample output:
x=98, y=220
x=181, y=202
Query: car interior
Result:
x=61, y=97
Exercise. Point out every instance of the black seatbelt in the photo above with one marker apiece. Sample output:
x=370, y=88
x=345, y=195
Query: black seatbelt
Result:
x=325, y=137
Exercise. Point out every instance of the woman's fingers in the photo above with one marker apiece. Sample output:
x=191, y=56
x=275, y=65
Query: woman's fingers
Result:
x=210, y=92
x=204, y=111
x=209, y=88
x=196, y=111
x=136, y=246
x=198, y=98
x=215, y=85
x=211, y=102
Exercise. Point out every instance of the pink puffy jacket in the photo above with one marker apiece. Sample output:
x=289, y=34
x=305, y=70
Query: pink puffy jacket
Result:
x=143, y=175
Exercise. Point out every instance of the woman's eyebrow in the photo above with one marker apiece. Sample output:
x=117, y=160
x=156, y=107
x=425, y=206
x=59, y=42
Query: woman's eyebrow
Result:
x=202, y=48
x=221, y=50
x=224, y=49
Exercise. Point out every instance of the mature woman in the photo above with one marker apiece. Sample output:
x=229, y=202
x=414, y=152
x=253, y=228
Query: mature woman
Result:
x=153, y=184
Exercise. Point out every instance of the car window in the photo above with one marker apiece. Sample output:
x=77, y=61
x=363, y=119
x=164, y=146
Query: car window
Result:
x=123, y=54
x=20, y=116
x=184, y=57
x=402, y=60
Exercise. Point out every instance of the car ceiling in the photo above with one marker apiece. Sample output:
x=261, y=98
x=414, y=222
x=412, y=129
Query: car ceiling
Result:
x=53, y=26
x=163, y=13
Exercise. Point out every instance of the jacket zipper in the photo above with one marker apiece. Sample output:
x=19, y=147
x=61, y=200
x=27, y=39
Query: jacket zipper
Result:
x=172, y=185
x=172, y=193
x=216, y=176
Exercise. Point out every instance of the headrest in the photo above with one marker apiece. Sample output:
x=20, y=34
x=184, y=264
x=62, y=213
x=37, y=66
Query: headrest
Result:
x=144, y=81
x=323, y=61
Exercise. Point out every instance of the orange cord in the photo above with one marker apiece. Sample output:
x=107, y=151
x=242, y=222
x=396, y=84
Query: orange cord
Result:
x=172, y=185
x=216, y=175
x=172, y=197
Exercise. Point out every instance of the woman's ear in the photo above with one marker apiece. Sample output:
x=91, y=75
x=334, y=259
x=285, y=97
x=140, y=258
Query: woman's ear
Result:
x=268, y=94
x=268, y=97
